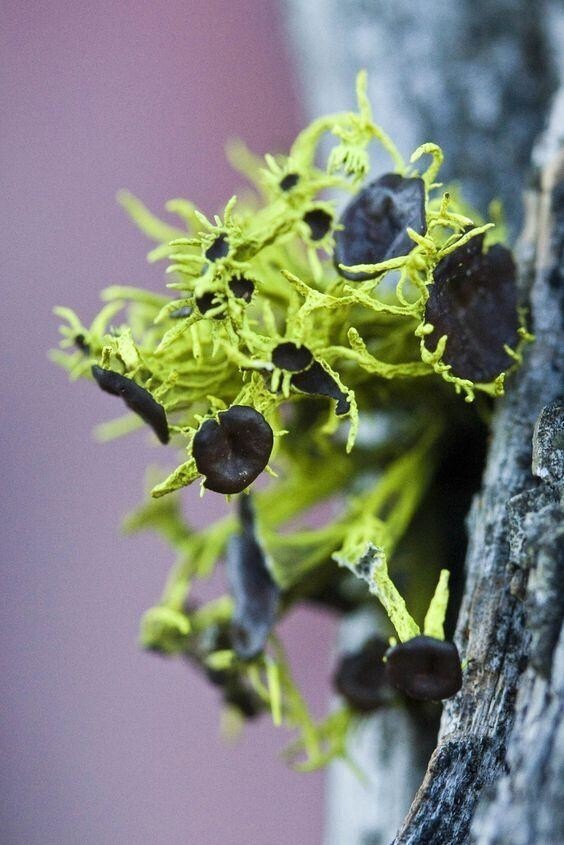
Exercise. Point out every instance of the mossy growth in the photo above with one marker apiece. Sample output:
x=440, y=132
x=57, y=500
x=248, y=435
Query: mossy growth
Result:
x=274, y=358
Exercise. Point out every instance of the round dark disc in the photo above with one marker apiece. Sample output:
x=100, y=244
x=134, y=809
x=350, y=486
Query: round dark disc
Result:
x=218, y=249
x=233, y=451
x=361, y=677
x=207, y=301
x=288, y=356
x=242, y=288
x=424, y=668
x=289, y=181
x=319, y=222
x=376, y=221
x=474, y=302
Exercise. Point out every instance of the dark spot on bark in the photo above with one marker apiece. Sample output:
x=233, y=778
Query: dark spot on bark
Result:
x=376, y=221
x=424, y=668
x=289, y=356
x=231, y=453
x=218, y=249
x=319, y=222
x=474, y=302
x=289, y=181
x=136, y=398
x=316, y=380
x=361, y=677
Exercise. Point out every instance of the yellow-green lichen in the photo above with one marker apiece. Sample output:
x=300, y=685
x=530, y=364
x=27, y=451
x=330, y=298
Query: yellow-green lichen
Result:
x=370, y=338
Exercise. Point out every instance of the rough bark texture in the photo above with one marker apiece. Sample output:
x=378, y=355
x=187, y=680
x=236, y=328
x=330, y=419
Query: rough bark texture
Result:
x=505, y=721
x=497, y=774
x=528, y=806
x=477, y=77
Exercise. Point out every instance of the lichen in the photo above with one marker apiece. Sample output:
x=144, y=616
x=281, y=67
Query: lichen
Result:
x=261, y=319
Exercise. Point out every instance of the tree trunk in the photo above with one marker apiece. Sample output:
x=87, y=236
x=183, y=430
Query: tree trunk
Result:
x=502, y=730
x=475, y=76
x=497, y=773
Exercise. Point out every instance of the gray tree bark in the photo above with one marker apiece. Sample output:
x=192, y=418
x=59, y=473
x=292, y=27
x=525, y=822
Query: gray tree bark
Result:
x=505, y=727
x=477, y=77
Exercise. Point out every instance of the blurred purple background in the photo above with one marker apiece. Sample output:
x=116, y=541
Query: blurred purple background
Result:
x=102, y=743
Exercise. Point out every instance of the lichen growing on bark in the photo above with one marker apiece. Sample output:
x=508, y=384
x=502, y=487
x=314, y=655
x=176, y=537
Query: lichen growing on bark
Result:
x=298, y=344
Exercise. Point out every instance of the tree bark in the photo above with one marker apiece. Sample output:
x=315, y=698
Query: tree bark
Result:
x=496, y=776
x=497, y=773
x=503, y=728
x=475, y=76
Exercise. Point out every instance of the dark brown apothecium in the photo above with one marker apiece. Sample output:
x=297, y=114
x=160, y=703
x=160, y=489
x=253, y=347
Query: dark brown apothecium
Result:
x=253, y=589
x=474, y=302
x=309, y=376
x=289, y=181
x=218, y=249
x=136, y=398
x=236, y=690
x=361, y=677
x=234, y=450
x=317, y=381
x=319, y=222
x=375, y=223
x=242, y=288
x=424, y=668
x=291, y=357
x=209, y=301
x=81, y=343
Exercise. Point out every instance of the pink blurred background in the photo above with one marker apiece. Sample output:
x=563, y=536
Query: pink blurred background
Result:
x=102, y=743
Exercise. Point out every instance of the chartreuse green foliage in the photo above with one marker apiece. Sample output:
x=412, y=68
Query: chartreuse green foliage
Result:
x=242, y=283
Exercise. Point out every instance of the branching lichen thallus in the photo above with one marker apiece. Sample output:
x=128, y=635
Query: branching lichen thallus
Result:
x=323, y=356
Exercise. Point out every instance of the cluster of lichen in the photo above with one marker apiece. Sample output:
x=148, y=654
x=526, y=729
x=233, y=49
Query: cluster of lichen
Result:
x=246, y=284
